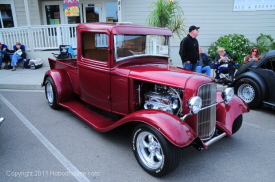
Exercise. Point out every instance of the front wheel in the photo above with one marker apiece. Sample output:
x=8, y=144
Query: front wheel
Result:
x=237, y=124
x=154, y=153
x=50, y=93
x=249, y=91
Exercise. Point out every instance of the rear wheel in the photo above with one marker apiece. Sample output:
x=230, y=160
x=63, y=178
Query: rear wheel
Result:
x=50, y=93
x=249, y=91
x=155, y=154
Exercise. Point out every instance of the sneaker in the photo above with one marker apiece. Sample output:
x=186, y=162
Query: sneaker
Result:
x=13, y=70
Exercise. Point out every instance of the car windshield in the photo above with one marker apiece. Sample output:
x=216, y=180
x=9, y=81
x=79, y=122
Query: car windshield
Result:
x=140, y=45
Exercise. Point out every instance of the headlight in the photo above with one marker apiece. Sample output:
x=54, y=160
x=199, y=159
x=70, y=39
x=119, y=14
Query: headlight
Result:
x=194, y=104
x=227, y=95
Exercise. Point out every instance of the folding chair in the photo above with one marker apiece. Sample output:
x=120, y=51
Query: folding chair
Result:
x=223, y=72
x=66, y=52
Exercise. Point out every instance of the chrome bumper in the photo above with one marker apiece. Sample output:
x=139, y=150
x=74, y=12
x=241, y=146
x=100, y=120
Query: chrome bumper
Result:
x=214, y=139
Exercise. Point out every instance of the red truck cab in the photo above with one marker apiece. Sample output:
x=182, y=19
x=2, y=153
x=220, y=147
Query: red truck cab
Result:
x=122, y=75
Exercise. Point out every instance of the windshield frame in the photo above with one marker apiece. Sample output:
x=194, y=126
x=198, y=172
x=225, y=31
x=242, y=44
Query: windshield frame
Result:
x=166, y=44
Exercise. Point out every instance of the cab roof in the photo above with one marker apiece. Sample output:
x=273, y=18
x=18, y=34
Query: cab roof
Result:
x=126, y=28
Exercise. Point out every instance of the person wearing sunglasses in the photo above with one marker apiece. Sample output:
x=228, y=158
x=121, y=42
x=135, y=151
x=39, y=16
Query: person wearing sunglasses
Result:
x=253, y=56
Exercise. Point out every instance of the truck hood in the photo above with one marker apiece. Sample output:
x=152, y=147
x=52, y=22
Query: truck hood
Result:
x=166, y=75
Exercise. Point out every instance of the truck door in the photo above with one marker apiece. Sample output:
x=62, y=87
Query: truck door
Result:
x=93, y=67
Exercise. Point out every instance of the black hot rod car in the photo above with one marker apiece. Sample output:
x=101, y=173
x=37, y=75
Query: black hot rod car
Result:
x=255, y=82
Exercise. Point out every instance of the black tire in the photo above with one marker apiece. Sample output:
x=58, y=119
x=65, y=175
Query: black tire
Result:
x=243, y=69
x=249, y=91
x=51, y=93
x=237, y=124
x=148, y=141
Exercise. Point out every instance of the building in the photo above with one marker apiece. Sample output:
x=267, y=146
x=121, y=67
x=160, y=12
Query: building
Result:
x=42, y=25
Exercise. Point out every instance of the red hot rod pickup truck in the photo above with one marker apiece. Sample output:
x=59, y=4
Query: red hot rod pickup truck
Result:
x=122, y=75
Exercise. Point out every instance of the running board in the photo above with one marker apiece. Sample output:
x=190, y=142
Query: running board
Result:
x=213, y=140
x=98, y=121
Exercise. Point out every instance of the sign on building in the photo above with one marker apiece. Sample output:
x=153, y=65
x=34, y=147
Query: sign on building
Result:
x=71, y=7
x=253, y=5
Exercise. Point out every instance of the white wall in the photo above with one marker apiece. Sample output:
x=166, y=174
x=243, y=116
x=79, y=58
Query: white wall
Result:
x=21, y=13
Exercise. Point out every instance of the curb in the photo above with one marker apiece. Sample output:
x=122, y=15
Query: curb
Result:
x=21, y=87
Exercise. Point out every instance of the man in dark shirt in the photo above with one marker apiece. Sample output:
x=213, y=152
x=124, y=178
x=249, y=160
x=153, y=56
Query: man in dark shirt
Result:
x=189, y=51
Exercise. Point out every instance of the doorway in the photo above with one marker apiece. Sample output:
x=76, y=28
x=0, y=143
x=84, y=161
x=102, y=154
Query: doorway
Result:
x=91, y=13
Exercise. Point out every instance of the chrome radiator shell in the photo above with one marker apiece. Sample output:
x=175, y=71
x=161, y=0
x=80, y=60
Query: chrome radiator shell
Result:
x=206, y=119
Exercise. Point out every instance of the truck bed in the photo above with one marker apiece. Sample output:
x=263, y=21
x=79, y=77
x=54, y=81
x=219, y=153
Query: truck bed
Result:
x=62, y=63
x=70, y=66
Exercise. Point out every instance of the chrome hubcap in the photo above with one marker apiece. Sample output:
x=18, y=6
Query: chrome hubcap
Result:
x=149, y=150
x=49, y=90
x=246, y=92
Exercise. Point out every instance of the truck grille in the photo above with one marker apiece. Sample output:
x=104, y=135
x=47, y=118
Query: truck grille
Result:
x=206, y=120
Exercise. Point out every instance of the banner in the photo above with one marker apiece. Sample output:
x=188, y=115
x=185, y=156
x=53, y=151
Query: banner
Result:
x=253, y=5
x=71, y=7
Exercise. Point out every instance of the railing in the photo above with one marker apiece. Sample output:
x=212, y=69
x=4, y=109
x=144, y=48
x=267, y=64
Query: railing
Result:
x=43, y=37
x=40, y=37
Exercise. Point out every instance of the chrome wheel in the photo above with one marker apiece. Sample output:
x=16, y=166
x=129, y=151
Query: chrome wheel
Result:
x=149, y=150
x=150, y=147
x=246, y=92
x=49, y=92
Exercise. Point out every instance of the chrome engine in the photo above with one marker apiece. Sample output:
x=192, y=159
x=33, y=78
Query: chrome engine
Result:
x=164, y=98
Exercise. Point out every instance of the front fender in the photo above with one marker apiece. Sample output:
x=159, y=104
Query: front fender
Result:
x=62, y=83
x=226, y=114
x=170, y=126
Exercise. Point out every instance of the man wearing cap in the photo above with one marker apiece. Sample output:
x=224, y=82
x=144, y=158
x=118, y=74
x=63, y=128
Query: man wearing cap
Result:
x=189, y=49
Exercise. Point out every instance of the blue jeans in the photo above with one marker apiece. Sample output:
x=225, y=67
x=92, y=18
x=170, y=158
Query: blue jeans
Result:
x=189, y=66
x=15, y=59
x=206, y=70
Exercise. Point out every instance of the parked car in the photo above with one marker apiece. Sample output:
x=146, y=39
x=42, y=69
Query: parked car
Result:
x=255, y=82
x=122, y=75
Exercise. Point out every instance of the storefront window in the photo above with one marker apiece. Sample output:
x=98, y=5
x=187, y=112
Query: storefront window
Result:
x=111, y=12
x=6, y=18
x=52, y=14
x=73, y=19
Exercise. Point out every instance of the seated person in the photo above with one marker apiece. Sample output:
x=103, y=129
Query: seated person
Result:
x=253, y=56
x=18, y=54
x=203, y=64
x=224, y=63
x=127, y=49
x=3, y=54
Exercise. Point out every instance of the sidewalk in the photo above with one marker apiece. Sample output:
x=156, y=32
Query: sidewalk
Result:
x=22, y=79
x=27, y=79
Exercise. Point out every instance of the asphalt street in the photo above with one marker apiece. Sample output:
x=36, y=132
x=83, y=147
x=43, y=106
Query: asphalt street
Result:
x=38, y=143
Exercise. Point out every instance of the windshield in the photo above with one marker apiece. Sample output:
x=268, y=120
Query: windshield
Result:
x=140, y=45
